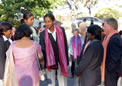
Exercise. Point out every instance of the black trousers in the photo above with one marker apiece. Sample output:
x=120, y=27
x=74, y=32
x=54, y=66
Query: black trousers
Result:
x=111, y=79
x=74, y=63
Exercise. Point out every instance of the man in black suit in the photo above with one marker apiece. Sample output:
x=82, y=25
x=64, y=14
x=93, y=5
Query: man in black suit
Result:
x=113, y=52
x=5, y=33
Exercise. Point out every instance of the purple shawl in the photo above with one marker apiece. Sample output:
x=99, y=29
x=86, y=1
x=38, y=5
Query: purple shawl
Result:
x=50, y=57
x=76, y=47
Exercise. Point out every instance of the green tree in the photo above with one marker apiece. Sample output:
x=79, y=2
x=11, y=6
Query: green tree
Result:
x=8, y=8
x=106, y=13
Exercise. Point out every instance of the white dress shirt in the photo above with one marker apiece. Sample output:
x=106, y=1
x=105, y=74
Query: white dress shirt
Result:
x=5, y=39
x=53, y=33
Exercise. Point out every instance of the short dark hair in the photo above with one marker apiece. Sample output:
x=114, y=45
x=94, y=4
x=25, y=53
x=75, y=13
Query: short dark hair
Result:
x=76, y=30
x=23, y=31
x=5, y=26
x=112, y=22
x=95, y=30
x=84, y=19
x=50, y=15
x=120, y=32
x=26, y=15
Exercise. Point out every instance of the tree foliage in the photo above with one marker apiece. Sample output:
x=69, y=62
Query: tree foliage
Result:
x=8, y=8
x=107, y=12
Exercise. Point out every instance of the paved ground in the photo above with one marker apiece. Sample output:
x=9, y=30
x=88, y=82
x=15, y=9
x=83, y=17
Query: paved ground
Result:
x=69, y=80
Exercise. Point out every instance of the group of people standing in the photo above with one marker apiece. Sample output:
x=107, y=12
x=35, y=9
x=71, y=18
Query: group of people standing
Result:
x=94, y=62
x=18, y=59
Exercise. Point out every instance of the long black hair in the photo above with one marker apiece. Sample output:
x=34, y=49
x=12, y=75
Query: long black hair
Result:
x=23, y=31
x=26, y=15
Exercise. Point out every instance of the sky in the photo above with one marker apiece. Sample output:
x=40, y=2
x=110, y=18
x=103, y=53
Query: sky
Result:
x=101, y=4
x=109, y=3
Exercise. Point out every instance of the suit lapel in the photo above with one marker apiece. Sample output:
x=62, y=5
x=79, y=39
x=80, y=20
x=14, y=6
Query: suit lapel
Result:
x=51, y=37
x=1, y=38
x=6, y=43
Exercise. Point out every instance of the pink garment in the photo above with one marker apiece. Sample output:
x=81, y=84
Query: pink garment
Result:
x=76, y=46
x=26, y=67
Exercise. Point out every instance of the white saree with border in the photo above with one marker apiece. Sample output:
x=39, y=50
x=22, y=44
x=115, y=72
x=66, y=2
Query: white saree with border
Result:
x=10, y=74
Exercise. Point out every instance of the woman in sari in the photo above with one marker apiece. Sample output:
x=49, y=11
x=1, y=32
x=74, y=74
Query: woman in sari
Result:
x=21, y=65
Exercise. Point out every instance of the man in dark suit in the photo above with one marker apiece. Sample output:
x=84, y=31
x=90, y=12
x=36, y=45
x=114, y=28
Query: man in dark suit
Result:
x=5, y=33
x=113, y=52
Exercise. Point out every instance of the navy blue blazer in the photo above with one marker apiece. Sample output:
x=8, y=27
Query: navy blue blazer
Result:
x=114, y=54
x=3, y=48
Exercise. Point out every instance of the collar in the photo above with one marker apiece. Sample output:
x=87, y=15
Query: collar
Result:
x=5, y=39
x=52, y=32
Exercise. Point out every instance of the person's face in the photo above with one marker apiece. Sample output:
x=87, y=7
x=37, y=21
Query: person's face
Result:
x=29, y=21
x=8, y=33
x=48, y=22
x=106, y=28
x=75, y=33
x=90, y=36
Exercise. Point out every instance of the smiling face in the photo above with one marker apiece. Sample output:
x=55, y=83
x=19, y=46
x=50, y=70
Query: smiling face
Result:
x=29, y=21
x=8, y=33
x=48, y=22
